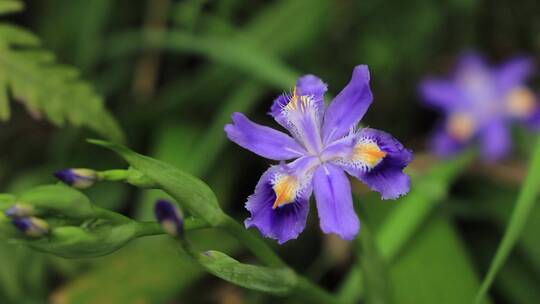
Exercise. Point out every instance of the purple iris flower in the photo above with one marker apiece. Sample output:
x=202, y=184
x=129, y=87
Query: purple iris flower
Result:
x=325, y=143
x=479, y=102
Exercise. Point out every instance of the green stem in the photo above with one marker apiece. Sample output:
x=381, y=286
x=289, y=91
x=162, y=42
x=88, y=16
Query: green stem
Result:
x=154, y=228
x=110, y=215
x=259, y=248
x=149, y=229
x=130, y=176
x=115, y=175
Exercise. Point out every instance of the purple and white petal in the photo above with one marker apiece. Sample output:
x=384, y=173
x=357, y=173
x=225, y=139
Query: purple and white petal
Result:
x=495, y=140
x=280, y=204
x=264, y=141
x=334, y=202
x=312, y=85
x=308, y=85
x=378, y=160
x=349, y=106
x=276, y=110
x=301, y=115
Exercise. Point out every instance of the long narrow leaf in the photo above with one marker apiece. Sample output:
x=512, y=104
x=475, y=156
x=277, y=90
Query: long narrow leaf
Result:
x=522, y=210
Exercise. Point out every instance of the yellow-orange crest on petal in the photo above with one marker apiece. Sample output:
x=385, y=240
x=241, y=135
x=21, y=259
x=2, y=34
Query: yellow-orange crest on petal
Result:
x=298, y=102
x=286, y=189
x=368, y=153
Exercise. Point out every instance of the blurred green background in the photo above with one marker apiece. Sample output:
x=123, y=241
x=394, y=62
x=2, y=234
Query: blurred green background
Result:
x=172, y=72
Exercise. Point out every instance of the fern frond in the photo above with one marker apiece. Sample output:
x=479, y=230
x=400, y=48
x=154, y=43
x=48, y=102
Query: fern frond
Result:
x=32, y=76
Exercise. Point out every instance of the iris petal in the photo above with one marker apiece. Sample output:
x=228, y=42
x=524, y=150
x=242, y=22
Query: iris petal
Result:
x=495, y=140
x=349, y=106
x=441, y=94
x=514, y=73
x=334, y=202
x=380, y=163
x=313, y=86
x=309, y=85
x=283, y=223
x=301, y=115
x=264, y=141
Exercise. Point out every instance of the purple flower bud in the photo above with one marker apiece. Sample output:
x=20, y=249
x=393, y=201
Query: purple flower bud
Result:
x=20, y=210
x=32, y=226
x=78, y=178
x=169, y=217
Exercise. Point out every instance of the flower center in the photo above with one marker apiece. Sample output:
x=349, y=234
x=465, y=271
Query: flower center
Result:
x=286, y=188
x=520, y=102
x=460, y=126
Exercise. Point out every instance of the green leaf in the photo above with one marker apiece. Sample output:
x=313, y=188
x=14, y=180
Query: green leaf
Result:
x=10, y=6
x=517, y=280
x=58, y=199
x=524, y=204
x=270, y=280
x=209, y=145
x=22, y=279
x=409, y=213
x=147, y=274
x=47, y=88
x=236, y=52
x=434, y=267
x=413, y=209
x=77, y=242
x=191, y=192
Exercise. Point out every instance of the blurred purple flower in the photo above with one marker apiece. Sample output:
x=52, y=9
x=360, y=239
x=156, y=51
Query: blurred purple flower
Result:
x=325, y=144
x=479, y=102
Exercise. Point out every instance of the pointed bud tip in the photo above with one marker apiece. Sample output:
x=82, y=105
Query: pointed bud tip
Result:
x=32, y=226
x=169, y=217
x=78, y=178
x=19, y=210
